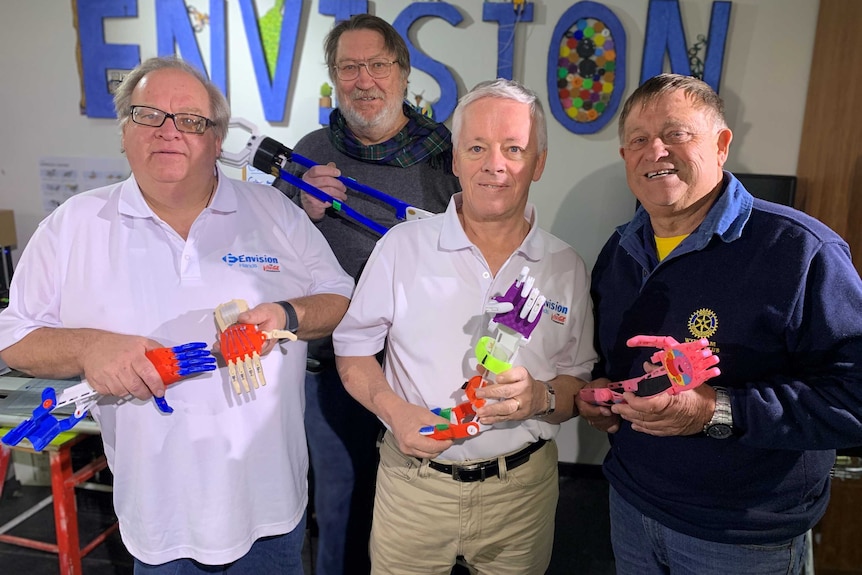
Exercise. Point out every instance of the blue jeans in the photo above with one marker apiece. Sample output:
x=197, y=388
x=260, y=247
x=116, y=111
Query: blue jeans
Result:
x=342, y=440
x=643, y=546
x=281, y=554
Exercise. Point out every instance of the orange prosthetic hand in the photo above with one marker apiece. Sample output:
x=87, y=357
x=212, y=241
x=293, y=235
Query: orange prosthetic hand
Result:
x=241, y=345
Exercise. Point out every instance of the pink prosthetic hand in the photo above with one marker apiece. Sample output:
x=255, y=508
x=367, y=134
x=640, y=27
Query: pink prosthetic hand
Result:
x=682, y=366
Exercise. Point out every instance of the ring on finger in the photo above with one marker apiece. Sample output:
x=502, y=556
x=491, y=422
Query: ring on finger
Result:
x=518, y=402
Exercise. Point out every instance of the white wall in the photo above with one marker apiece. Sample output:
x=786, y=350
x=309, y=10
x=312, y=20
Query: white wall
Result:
x=582, y=195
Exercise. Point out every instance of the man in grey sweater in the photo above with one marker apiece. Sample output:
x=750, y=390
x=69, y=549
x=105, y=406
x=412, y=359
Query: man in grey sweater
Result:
x=379, y=140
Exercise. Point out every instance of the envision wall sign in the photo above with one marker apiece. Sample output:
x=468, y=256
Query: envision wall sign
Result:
x=586, y=61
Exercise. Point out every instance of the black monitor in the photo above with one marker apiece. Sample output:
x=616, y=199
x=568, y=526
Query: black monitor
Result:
x=778, y=189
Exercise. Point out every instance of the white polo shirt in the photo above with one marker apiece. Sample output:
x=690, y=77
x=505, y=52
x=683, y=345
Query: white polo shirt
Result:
x=422, y=295
x=222, y=470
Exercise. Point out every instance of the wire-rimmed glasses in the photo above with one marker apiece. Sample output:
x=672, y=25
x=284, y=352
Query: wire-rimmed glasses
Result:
x=376, y=68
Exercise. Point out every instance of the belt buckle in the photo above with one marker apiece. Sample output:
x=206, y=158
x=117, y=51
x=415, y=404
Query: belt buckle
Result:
x=458, y=469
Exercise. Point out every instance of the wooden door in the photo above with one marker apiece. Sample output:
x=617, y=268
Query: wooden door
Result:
x=830, y=154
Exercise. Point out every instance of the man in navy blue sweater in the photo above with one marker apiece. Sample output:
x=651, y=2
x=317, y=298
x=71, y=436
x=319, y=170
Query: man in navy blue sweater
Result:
x=727, y=477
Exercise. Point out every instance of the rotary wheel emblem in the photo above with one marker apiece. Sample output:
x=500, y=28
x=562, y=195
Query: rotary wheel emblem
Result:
x=703, y=323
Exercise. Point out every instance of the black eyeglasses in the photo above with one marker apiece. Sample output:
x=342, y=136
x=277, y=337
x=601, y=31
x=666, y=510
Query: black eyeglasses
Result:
x=155, y=118
x=376, y=68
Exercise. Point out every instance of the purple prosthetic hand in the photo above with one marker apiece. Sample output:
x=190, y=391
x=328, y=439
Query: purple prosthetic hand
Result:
x=525, y=305
x=517, y=313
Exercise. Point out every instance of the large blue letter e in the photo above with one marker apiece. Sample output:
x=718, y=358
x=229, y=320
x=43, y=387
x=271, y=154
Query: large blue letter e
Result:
x=97, y=57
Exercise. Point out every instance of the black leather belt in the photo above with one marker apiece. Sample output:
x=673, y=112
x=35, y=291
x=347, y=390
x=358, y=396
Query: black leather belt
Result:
x=485, y=469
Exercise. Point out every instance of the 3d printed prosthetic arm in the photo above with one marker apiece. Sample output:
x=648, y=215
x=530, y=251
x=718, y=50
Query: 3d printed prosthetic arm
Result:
x=517, y=313
x=682, y=366
x=272, y=157
x=172, y=363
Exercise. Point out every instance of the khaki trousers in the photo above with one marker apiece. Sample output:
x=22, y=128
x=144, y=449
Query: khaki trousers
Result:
x=424, y=519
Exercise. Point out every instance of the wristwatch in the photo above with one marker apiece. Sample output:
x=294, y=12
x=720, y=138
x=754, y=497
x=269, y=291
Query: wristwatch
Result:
x=291, y=323
x=721, y=424
x=552, y=401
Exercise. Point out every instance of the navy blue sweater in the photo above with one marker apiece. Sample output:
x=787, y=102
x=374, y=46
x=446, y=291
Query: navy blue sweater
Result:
x=777, y=295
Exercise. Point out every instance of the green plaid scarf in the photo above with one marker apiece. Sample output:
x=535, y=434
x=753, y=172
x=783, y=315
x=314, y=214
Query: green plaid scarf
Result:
x=420, y=140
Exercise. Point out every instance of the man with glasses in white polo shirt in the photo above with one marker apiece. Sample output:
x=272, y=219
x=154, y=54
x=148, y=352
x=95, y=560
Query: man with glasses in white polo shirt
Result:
x=141, y=264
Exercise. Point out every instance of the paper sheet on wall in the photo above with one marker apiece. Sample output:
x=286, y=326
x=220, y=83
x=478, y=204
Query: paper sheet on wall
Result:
x=61, y=178
x=252, y=174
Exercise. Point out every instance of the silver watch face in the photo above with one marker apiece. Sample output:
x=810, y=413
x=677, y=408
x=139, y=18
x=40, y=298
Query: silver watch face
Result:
x=719, y=431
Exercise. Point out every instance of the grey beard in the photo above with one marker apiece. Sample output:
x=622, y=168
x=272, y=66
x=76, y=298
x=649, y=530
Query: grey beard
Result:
x=386, y=117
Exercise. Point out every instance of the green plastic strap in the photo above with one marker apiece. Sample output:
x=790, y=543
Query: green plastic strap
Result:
x=487, y=359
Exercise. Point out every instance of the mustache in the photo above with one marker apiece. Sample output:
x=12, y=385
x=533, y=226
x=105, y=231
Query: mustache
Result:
x=358, y=93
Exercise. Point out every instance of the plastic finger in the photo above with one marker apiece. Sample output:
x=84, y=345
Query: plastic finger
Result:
x=527, y=288
x=537, y=309
x=528, y=305
x=258, y=368
x=234, y=379
x=659, y=341
x=497, y=307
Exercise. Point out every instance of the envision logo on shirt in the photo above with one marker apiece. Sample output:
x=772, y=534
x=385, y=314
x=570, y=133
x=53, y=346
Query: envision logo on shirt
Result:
x=264, y=262
x=558, y=311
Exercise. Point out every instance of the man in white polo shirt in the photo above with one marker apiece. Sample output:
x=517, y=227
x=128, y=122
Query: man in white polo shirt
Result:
x=142, y=264
x=489, y=498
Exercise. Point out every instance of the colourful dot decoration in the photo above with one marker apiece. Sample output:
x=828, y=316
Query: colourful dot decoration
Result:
x=585, y=73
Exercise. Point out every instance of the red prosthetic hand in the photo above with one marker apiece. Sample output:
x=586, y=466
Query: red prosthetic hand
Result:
x=462, y=418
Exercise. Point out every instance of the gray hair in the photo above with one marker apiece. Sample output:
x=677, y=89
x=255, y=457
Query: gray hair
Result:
x=392, y=41
x=657, y=86
x=504, y=90
x=219, y=108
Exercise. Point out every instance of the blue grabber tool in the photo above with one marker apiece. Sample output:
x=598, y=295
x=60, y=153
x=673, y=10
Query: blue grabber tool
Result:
x=272, y=157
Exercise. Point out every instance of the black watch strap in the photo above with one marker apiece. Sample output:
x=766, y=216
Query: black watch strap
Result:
x=292, y=321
